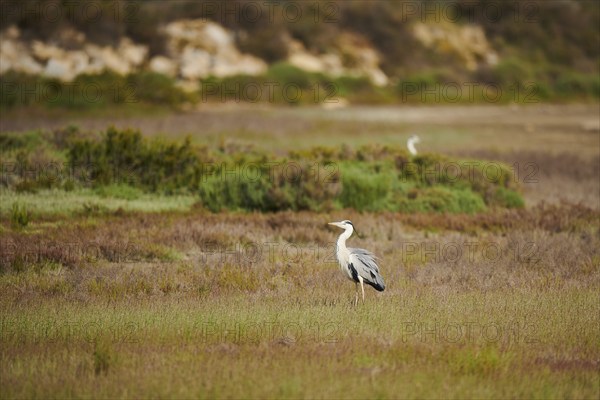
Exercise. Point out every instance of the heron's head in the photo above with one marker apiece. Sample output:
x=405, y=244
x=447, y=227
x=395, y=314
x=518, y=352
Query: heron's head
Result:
x=346, y=224
x=414, y=139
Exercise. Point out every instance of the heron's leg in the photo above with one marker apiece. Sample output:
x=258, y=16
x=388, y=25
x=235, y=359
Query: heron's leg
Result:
x=356, y=297
x=362, y=286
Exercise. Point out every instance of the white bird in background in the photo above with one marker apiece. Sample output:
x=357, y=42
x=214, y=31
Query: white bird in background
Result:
x=358, y=264
x=410, y=143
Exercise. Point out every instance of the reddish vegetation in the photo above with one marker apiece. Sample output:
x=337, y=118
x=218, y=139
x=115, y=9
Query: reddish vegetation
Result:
x=199, y=252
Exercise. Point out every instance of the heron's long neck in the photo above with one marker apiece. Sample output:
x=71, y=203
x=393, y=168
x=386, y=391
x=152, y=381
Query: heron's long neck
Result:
x=341, y=242
x=411, y=147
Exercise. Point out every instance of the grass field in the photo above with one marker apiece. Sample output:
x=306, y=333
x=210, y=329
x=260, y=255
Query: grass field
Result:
x=154, y=296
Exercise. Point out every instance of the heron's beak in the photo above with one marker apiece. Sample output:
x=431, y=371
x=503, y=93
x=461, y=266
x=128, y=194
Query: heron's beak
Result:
x=334, y=224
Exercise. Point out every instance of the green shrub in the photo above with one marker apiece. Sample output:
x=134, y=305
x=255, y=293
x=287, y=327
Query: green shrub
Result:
x=285, y=74
x=572, y=84
x=30, y=162
x=123, y=164
x=61, y=138
x=508, y=198
x=230, y=185
x=268, y=188
x=513, y=71
x=426, y=79
x=17, y=141
x=153, y=88
x=483, y=178
x=352, y=87
x=439, y=199
x=318, y=153
x=365, y=189
x=88, y=91
x=124, y=157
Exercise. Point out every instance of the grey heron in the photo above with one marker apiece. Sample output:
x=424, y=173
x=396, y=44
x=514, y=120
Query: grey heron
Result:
x=410, y=143
x=358, y=265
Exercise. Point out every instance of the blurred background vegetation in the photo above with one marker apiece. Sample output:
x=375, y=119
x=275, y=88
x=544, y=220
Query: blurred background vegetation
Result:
x=533, y=51
x=552, y=45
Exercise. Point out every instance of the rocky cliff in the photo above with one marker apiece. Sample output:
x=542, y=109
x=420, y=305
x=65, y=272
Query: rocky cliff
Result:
x=385, y=43
x=195, y=49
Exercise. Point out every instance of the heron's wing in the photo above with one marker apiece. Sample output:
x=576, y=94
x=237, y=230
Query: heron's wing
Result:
x=366, y=266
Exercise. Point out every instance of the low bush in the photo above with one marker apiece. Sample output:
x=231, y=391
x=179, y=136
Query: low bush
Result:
x=122, y=164
x=10, y=142
x=573, y=84
x=504, y=197
x=440, y=199
x=286, y=74
x=125, y=157
x=154, y=88
x=89, y=92
x=365, y=188
x=293, y=186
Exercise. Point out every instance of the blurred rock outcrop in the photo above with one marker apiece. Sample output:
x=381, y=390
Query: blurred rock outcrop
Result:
x=54, y=60
x=195, y=49
x=467, y=42
x=202, y=48
x=352, y=55
x=387, y=42
x=14, y=54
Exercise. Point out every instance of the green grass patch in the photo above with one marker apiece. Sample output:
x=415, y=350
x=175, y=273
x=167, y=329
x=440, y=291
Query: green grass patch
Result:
x=119, y=191
x=88, y=202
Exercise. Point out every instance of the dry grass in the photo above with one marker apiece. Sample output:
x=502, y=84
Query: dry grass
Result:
x=127, y=303
x=396, y=347
x=206, y=305
x=550, y=177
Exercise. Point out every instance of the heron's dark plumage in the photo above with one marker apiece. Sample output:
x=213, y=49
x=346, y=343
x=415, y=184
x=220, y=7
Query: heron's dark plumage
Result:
x=353, y=272
x=367, y=268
